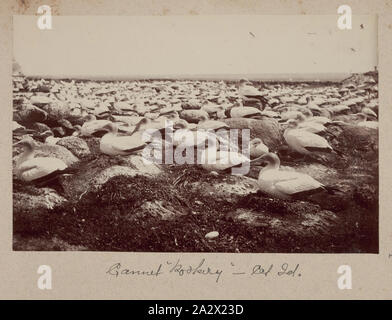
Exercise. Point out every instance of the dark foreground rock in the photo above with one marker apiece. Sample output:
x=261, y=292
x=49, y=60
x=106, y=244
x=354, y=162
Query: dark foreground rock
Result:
x=92, y=174
x=32, y=207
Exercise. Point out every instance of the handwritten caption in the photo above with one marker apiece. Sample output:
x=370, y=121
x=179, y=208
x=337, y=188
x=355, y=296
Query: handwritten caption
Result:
x=202, y=268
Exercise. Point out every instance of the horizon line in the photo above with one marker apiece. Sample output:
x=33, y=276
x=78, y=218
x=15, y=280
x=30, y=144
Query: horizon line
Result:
x=327, y=76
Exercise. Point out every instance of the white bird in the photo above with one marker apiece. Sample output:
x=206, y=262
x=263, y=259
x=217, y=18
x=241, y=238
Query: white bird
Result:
x=193, y=116
x=257, y=148
x=310, y=118
x=16, y=126
x=317, y=119
x=92, y=125
x=213, y=159
x=290, y=114
x=102, y=109
x=114, y=145
x=364, y=123
x=207, y=124
x=243, y=112
x=77, y=129
x=268, y=112
x=339, y=108
x=247, y=90
x=311, y=105
x=212, y=108
x=189, y=135
x=18, y=129
x=168, y=116
x=50, y=138
x=188, y=138
x=369, y=112
x=29, y=168
x=285, y=184
x=310, y=126
x=304, y=142
x=128, y=120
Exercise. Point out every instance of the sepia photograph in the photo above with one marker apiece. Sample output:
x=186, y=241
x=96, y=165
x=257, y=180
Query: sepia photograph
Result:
x=203, y=133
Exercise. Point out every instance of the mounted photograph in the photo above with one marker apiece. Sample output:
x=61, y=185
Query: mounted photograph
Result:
x=215, y=133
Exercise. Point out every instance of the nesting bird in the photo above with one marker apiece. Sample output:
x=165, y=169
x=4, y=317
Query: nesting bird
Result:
x=317, y=119
x=243, y=112
x=186, y=137
x=257, y=148
x=92, y=125
x=310, y=126
x=213, y=159
x=363, y=122
x=114, y=145
x=207, y=124
x=49, y=137
x=305, y=142
x=311, y=105
x=29, y=168
x=247, y=91
x=284, y=184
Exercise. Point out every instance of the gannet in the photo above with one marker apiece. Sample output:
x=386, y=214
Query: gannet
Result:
x=193, y=116
x=114, y=145
x=367, y=124
x=129, y=120
x=268, y=112
x=285, y=184
x=317, y=119
x=339, y=108
x=369, y=112
x=311, y=105
x=287, y=115
x=102, y=110
x=212, y=108
x=303, y=141
x=207, y=124
x=310, y=126
x=246, y=90
x=49, y=137
x=243, y=112
x=77, y=129
x=16, y=126
x=18, y=129
x=186, y=137
x=29, y=168
x=213, y=159
x=169, y=115
x=92, y=125
x=257, y=148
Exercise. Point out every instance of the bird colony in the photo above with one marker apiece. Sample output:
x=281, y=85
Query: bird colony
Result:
x=81, y=182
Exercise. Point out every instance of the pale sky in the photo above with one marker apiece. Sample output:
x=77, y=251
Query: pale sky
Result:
x=187, y=45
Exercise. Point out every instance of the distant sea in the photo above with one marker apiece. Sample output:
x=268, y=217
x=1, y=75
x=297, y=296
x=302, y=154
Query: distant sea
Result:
x=305, y=77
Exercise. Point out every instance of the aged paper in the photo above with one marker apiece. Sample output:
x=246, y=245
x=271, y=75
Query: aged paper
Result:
x=295, y=208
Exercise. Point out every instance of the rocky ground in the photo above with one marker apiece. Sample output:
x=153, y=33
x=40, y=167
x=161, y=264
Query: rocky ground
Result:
x=122, y=204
